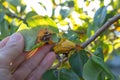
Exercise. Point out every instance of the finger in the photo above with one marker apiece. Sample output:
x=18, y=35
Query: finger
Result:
x=17, y=62
x=12, y=48
x=3, y=42
x=43, y=67
x=27, y=67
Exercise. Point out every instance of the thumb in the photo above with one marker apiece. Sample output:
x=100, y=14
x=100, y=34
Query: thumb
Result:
x=14, y=46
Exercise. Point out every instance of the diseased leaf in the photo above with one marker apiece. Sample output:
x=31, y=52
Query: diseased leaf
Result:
x=94, y=67
x=64, y=46
x=77, y=61
x=31, y=33
x=43, y=22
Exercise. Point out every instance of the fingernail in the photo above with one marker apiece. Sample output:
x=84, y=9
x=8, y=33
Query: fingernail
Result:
x=15, y=37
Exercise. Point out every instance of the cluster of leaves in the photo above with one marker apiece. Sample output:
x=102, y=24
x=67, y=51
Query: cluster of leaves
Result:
x=81, y=65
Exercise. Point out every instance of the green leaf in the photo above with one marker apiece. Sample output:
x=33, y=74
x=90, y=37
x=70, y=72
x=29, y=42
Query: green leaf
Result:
x=62, y=74
x=93, y=69
x=23, y=7
x=77, y=61
x=55, y=38
x=116, y=4
x=64, y=13
x=1, y=16
x=13, y=7
x=4, y=29
x=50, y=75
x=41, y=21
x=29, y=35
x=67, y=74
x=30, y=14
x=90, y=29
x=2, y=1
x=100, y=16
x=99, y=52
x=13, y=28
x=103, y=66
x=14, y=2
x=72, y=36
x=70, y=3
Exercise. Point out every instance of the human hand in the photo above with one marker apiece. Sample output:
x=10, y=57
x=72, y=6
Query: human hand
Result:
x=11, y=50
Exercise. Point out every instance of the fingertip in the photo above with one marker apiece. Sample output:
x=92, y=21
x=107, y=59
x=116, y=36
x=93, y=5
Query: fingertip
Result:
x=52, y=54
x=3, y=42
x=14, y=46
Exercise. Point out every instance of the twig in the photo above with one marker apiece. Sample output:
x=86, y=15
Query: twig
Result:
x=59, y=63
x=14, y=16
x=103, y=28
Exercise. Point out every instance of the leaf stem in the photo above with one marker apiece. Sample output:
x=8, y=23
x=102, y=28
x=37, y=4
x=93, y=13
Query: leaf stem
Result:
x=103, y=28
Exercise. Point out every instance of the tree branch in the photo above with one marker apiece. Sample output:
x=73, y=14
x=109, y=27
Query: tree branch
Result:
x=14, y=16
x=103, y=28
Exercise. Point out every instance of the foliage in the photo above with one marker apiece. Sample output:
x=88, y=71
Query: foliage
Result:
x=39, y=29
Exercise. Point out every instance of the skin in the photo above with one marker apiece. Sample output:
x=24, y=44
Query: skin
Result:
x=11, y=50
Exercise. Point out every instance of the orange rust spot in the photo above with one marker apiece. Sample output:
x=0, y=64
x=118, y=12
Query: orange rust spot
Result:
x=44, y=35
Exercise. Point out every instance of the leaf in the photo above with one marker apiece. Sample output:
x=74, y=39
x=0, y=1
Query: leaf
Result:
x=91, y=29
x=65, y=13
x=99, y=52
x=29, y=35
x=100, y=16
x=91, y=71
x=14, y=2
x=1, y=16
x=72, y=36
x=116, y=4
x=70, y=3
x=67, y=74
x=94, y=67
x=22, y=9
x=13, y=28
x=30, y=14
x=55, y=38
x=50, y=74
x=44, y=22
x=4, y=29
x=62, y=74
x=103, y=66
x=64, y=46
x=77, y=61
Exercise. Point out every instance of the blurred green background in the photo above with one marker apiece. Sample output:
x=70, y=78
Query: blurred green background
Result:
x=83, y=16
